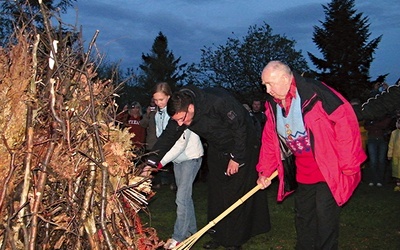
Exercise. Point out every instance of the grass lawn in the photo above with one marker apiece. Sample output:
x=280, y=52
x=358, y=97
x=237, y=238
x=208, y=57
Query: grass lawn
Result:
x=370, y=220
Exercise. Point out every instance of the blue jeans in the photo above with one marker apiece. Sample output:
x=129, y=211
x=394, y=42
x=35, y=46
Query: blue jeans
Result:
x=377, y=150
x=185, y=223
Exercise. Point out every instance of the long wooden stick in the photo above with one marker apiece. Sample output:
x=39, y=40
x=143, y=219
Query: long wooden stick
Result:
x=189, y=242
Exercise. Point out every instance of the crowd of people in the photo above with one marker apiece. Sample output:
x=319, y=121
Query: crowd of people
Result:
x=381, y=142
x=323, y=131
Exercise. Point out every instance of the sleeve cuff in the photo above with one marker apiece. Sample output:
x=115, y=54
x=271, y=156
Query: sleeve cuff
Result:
x=151, y=163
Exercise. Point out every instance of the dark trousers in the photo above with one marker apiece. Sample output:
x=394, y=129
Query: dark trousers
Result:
x=317, y=217
x=250, y=218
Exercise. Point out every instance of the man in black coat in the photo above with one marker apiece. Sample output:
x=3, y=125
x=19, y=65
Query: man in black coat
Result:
x=233, y=151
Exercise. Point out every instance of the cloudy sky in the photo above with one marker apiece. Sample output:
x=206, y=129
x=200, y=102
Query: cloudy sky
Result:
x=128, y=27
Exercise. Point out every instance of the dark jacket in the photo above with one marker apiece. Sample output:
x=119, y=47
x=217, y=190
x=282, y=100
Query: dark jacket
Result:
x=386, y=103
x=230, y=134
x=219, y=118
x=378, y=128
x=149, y=123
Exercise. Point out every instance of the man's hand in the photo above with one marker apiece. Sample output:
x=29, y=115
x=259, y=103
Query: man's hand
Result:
x=233, y=168
x=263, y=181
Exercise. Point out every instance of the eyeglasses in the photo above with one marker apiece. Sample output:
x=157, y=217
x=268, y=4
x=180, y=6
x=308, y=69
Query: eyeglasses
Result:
x=182, y=119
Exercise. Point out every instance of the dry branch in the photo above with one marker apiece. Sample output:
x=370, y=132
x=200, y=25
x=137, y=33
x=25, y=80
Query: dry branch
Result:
x=69, y=170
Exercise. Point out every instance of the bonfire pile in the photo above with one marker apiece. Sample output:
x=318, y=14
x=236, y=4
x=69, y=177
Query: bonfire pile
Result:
x=69, y=176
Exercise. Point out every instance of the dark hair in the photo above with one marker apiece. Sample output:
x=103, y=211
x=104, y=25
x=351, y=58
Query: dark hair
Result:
x=179, y=102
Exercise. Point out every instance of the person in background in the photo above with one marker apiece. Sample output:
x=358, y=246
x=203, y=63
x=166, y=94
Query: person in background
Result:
x=161, y=94
x=394, y=154
x=377, y=145
x=135, y=115
x=321, y=129
x=149, y=123
x=256, y=122
x=258, y=113
x=232, y=153
x=395, y=116
x=130, y=118
x=377, y=88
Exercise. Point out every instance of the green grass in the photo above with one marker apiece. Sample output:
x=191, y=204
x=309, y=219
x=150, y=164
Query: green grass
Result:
x=370, y=220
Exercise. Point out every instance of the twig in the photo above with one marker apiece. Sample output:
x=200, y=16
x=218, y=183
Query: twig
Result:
x=127, y=223
x=38, y=196
x=104, y=167
x=116, y=231
x=10, y=172
x=29, y=145
x=86, y=200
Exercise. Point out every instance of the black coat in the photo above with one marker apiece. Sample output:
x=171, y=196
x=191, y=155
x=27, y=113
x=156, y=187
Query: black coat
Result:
x=219, y=118
x=230, y=133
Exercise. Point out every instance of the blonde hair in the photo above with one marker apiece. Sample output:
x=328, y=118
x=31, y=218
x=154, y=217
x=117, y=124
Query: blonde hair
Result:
x=136, y=104
x=162, y=87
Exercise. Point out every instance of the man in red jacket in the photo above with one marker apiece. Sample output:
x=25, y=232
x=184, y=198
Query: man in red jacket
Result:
x=321, y=129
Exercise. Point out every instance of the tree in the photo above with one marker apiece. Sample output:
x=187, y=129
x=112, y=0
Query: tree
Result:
x=26, y=14
x=237, y=65
x=343, y=43
x=159, y=66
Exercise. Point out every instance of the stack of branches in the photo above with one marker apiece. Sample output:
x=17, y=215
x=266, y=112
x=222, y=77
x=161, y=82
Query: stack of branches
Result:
x=69, y=176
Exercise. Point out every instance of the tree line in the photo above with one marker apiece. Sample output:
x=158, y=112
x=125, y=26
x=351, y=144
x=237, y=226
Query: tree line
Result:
x=343, y=40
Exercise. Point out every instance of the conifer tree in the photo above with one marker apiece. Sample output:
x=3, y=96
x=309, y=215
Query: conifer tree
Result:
x=160, y=65
x=346, y=53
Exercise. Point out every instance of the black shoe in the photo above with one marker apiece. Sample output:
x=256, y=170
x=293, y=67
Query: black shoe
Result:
x=233, y=248
x=211, y=231
x=212, y=244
